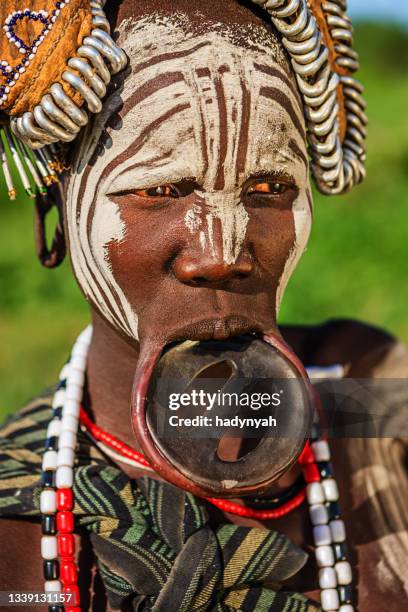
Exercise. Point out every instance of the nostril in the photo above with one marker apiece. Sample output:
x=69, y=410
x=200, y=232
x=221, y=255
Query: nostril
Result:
x=211, y=278
x=210, y=270
x=199, y=280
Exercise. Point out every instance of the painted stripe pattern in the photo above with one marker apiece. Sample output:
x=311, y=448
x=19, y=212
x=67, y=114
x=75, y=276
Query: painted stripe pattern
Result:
x=193, y=106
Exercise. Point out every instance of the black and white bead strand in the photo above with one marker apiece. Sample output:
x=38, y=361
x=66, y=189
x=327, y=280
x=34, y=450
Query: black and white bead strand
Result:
x=329, y=533
x=58, y=460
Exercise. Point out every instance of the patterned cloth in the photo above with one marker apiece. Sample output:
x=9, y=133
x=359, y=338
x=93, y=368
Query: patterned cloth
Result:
x=154, y=543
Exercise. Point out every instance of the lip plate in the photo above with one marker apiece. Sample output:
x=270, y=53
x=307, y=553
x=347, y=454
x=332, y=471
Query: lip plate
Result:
x=162, y=465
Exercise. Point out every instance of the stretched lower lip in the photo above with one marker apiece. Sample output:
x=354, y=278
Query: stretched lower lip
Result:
x=162, y=464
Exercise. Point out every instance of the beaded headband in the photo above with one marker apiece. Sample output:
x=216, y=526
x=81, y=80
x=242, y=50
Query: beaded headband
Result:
x=68, y=47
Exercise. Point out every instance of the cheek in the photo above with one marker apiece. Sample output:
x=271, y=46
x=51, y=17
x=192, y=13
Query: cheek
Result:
x=91, y=228
x=302, y=215
x=272, y=234
x=107, y=228
x=278, y=239
x=138, y=260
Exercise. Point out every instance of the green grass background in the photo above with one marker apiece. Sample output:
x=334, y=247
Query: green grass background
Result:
x=355, y=265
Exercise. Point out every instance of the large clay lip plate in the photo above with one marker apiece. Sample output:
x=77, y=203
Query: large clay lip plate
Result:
x=162, y=465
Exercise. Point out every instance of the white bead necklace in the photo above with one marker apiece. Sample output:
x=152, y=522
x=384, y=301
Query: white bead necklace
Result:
x=329, y=534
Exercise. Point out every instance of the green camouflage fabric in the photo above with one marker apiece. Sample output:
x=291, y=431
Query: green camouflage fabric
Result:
x=154, y=544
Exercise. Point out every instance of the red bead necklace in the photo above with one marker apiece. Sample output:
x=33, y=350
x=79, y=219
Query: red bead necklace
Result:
x=306, y=460
x=56, y=498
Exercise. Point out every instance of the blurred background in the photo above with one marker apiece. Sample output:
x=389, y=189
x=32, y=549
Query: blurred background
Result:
x=355, y=265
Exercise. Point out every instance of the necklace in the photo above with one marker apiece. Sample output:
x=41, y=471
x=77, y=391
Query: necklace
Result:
x=120, y=451
x=56, y=499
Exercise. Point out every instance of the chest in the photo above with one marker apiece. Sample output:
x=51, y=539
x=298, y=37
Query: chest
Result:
x=373, y=488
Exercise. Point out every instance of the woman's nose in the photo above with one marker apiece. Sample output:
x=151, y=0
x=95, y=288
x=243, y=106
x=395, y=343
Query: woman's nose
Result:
x=208, y=269
x=215, y=256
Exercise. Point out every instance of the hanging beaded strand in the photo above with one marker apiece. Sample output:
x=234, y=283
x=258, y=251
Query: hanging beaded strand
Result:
x=56, y=501
x=43, y=167
x=11, y=190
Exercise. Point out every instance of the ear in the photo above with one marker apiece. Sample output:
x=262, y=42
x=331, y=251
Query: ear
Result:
x=50, y=258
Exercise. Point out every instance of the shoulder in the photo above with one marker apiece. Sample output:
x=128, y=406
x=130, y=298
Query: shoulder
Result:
x=22, y=443
x=364, y=350
x=29, y=424
x=371, y=471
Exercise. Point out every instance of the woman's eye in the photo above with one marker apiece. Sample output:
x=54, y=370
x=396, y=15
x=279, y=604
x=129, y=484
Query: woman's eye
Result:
x=268, y=188
x=162, y=191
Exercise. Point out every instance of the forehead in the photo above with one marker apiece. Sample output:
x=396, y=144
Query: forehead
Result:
x=196, y=103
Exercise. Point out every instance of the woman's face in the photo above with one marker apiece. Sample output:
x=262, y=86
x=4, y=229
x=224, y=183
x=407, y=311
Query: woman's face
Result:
x=190, y=203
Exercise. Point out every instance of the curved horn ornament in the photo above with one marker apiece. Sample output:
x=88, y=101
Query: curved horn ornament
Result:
x=323, y=64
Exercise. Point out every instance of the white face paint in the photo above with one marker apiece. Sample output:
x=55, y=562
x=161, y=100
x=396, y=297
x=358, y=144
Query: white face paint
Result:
x=303, y=223
x=233, y=218
x=194, y=106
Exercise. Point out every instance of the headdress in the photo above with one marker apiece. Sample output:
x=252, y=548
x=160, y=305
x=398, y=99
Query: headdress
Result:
x=318, y=37
x=57, y=58
x=55, y=62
